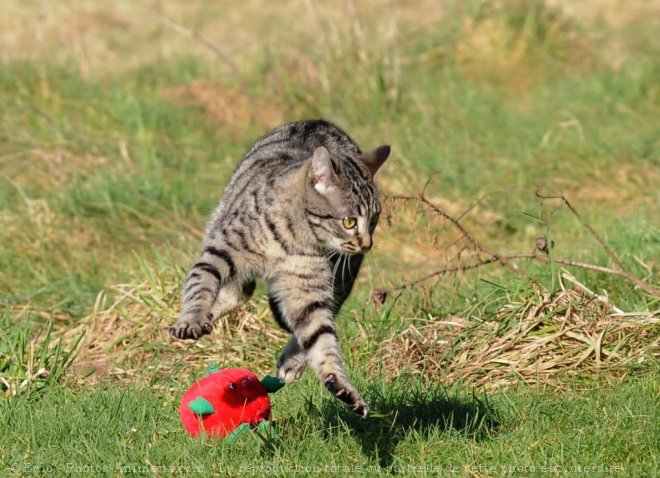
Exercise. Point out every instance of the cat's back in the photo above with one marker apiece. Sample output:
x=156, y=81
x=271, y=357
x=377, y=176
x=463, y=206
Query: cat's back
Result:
x=281, y=151
x=302, y=138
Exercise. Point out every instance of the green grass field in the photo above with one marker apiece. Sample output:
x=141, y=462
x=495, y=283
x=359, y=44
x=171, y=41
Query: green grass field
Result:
x=120, y=124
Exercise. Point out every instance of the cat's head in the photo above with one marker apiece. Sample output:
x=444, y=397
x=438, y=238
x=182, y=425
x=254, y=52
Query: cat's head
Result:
x=342, y=203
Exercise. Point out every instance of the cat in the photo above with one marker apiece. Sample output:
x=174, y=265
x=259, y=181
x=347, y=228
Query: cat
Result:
x=300, y=212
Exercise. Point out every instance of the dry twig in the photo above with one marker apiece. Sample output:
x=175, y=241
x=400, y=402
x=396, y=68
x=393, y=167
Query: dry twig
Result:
x=601, y=241
x=378, y=296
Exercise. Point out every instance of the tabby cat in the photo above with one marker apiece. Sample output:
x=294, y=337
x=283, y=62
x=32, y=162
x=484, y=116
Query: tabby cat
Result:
x=299, y=211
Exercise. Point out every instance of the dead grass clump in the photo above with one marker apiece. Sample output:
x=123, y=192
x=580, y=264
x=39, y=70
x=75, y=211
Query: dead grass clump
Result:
x=226, y=105
x=518, y=43
x=545, y=339
x=130, y=339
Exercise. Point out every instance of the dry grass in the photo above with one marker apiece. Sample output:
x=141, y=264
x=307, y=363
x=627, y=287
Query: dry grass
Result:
x=621, y=200
x=227, y=106
x=546, y=339
x=116, y=37
x=519, y=45
x=129, y=339
x=613, y=12
x=102, y=37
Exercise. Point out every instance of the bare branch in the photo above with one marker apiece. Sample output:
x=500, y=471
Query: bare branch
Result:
x=379, y=293
x=593, y=232
x=379, y=296
x=478, y=247
x=436, y=209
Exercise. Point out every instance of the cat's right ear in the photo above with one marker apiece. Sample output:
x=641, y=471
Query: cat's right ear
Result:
x=322, y=172
x=375, y=159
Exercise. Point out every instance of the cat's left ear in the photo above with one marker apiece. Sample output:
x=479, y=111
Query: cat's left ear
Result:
x=373, y=160
x=324, y=179
x=323, y=172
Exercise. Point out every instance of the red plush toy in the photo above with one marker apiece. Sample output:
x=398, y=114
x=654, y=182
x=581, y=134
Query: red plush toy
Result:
x=227, y=402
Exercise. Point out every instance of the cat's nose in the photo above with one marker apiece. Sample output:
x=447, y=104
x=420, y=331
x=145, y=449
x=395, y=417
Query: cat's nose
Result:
x=366, y=244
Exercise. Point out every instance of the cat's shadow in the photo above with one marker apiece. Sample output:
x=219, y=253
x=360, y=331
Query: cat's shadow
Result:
x=397, y=413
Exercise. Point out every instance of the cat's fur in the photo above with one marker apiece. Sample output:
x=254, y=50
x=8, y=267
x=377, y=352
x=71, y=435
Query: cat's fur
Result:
x=283, y=218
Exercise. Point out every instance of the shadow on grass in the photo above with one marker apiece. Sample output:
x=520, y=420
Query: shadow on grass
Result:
x=398, y=410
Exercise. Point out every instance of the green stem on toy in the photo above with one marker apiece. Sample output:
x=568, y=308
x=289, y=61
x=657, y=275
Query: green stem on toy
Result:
x=211, y=369
x=264, y=426
x=268, y=428
x=271, y=384
x=241, y=430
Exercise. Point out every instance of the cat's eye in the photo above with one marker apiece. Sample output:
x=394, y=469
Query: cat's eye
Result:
x=349, y=222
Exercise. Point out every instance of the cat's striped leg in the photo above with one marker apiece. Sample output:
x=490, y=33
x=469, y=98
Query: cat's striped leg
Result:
x=309, y=313
x=318, y=338
x=212, y=278
x=230, y=297
x=292, y=362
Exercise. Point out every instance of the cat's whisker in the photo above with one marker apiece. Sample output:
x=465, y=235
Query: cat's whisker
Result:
x=334, y=273
x=343, y=267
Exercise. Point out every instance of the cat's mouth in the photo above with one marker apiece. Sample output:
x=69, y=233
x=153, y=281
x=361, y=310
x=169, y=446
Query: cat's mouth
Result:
x=351, y=249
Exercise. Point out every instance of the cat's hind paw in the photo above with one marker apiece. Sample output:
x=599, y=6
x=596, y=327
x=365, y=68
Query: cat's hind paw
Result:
x=345, y=392
x=361, y=408
x=291, y=368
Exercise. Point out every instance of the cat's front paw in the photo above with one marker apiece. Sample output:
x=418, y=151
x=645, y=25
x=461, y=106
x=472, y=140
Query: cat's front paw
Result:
x=191, y=327
x=345, y=392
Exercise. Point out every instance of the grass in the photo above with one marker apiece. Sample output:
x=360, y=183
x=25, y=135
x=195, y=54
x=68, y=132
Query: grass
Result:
x=422, y=426
x=117, y=135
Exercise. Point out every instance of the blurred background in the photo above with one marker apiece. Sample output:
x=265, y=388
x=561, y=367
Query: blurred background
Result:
x=122, y=121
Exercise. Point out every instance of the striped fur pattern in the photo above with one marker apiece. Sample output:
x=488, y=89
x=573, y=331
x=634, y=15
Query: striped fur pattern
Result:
x=299, y=211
